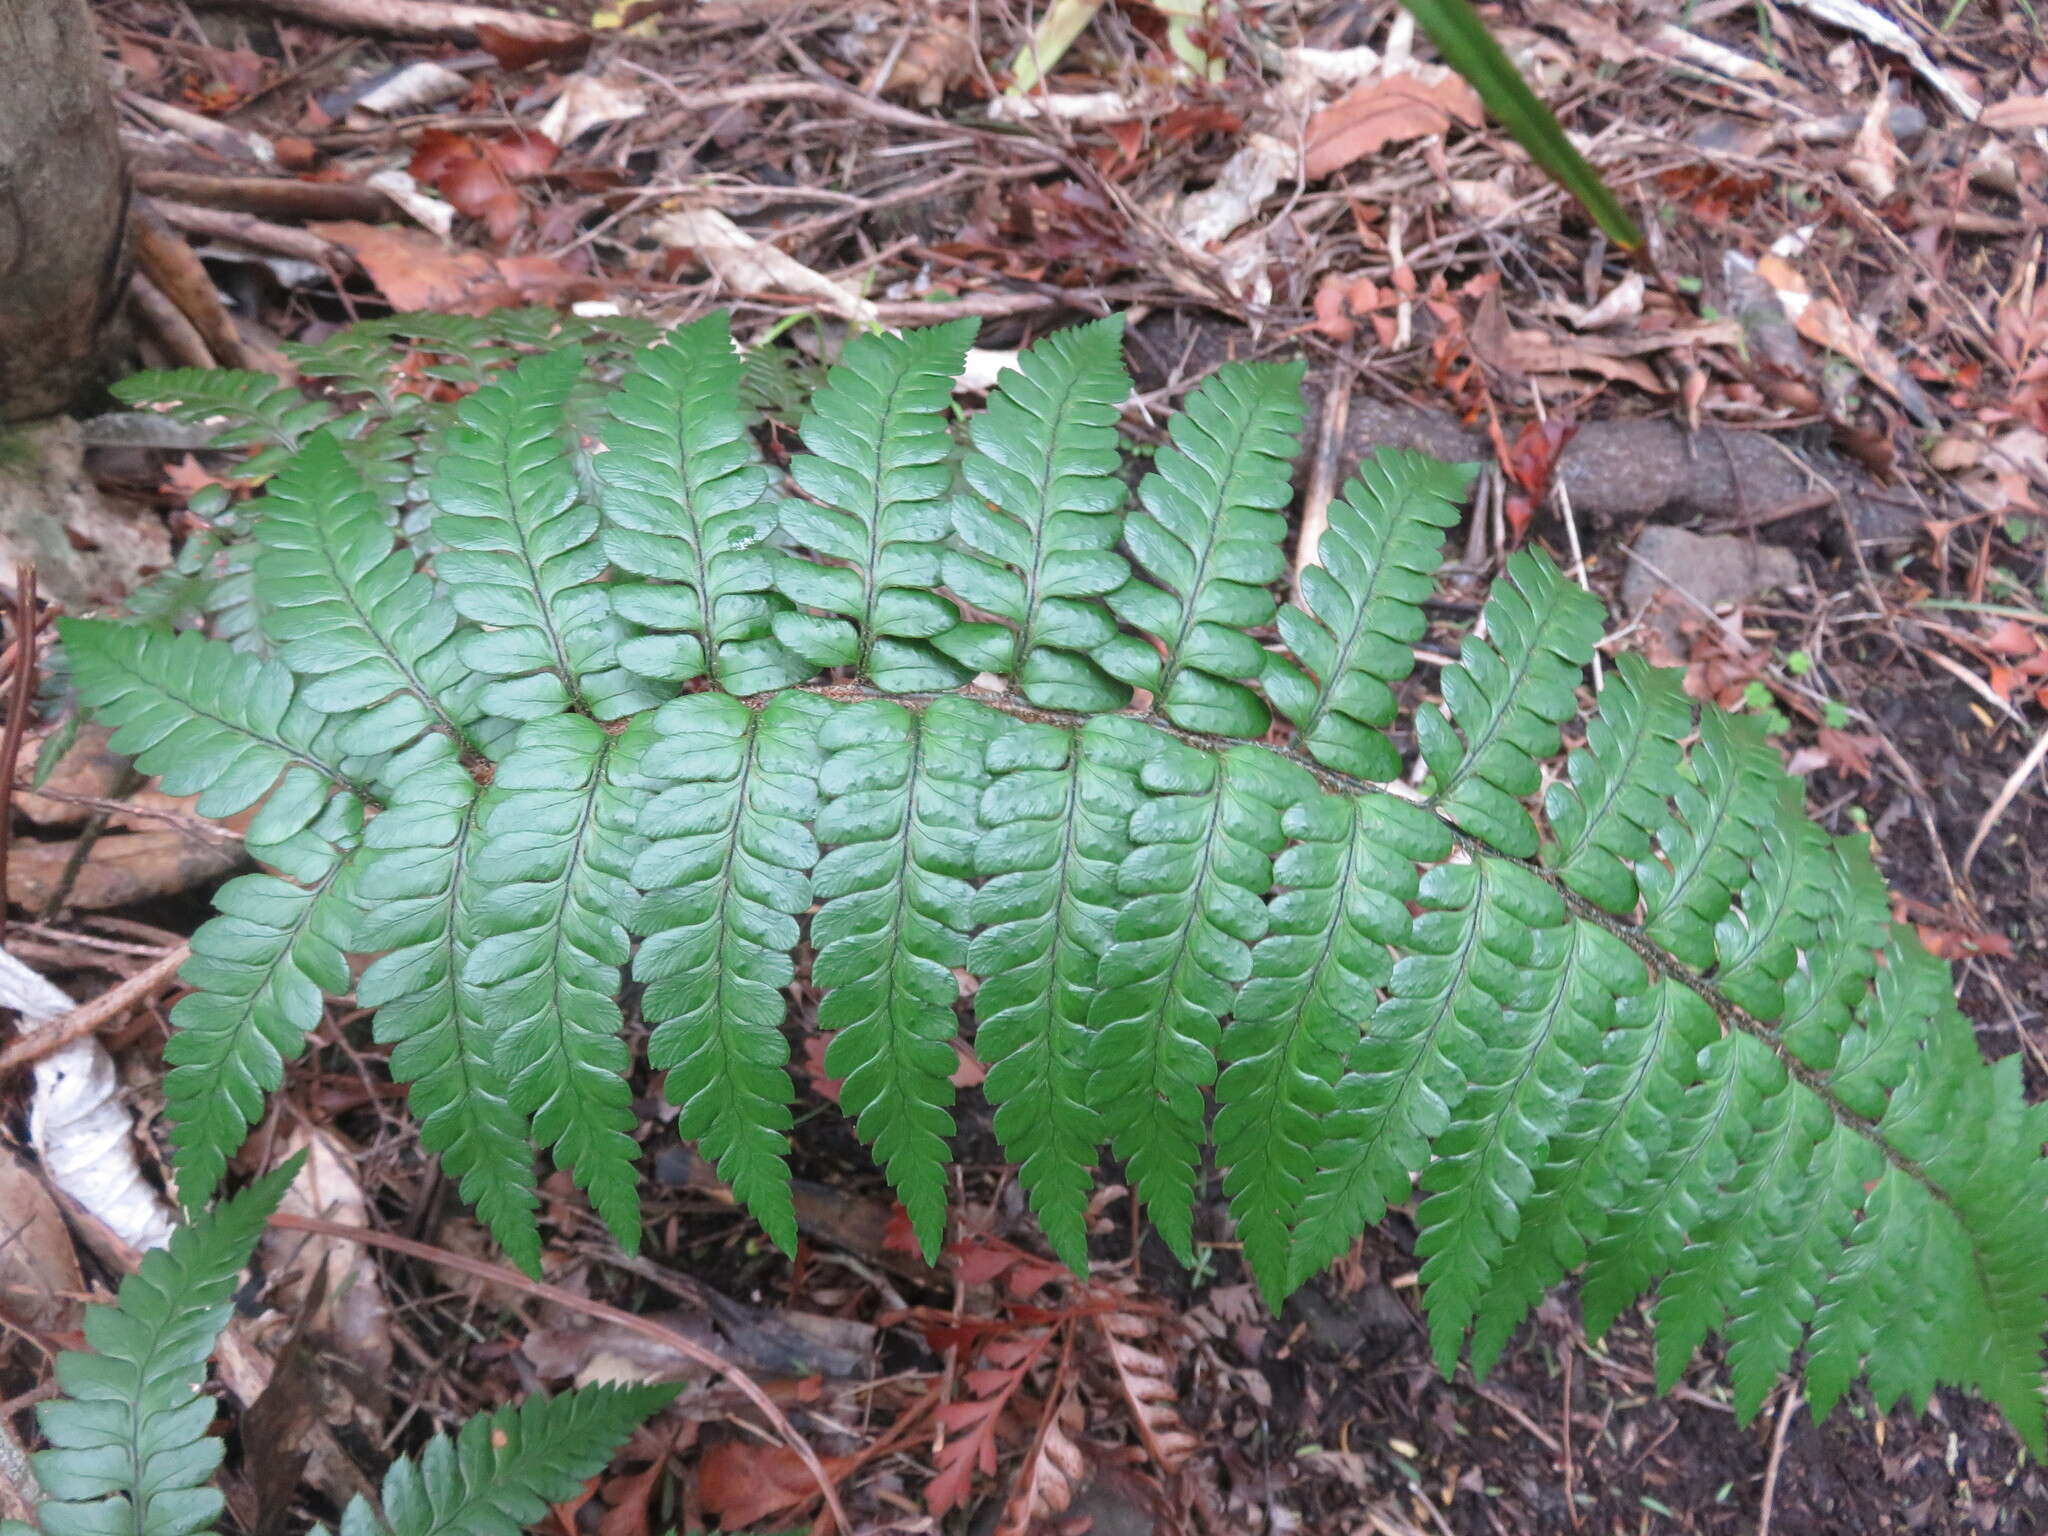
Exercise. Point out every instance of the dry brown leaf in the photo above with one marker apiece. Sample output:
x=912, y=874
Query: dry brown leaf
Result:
x=1149, y=1389
x=1053, y=1468
x=744, y=1482
x=1403, y=106
x=1825, y=323
x=2017, y=112
x=751, y=267
x=119, y=870
x=40, y=1285
x=93, y=771
x=1873, y=158
x=415, y=271
x=340, y=1280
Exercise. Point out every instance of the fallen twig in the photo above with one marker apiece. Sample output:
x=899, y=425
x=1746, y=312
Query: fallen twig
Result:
x=430, y=20
x=179, y=337
x=168, y=261
x=20, y=700
x=88, y=1017
x=498, y=1274
x=277, y=197
x=258, y=234
x=2007, y=792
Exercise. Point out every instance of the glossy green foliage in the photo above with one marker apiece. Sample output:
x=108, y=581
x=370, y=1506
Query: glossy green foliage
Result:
x=943, y=743
x=131, y=1452
x=131, y=1455
x=501, y=1472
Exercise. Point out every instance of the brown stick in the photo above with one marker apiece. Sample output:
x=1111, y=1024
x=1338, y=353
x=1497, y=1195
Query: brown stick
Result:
x=260, y=234
x=276, y=197
x=81, y=1021
x=182, y=343
x=168, y=262
x=430, y=20
x=682, y=1344
x=20, y=699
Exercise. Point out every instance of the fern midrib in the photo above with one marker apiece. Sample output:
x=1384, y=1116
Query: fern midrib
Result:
x=1645, y=948
x=460, y=1021
x=146, y=1372
x=1163, y=1015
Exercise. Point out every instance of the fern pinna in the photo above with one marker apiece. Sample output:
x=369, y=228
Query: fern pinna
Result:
x=623, y=702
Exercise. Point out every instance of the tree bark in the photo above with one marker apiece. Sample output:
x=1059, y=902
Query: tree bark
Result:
x=63, y=206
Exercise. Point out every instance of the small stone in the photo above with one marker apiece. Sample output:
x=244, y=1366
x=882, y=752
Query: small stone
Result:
x=1711, y=569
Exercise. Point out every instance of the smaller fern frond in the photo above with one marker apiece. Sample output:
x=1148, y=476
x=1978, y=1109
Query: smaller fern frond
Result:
x=1057, y=811
x=1360, y=612
x=726, y=874
x=501, y=1471
x=1507, y=694
x=552, y=868
x=520, y=550
x=1041, y=540
x=685, y=500
x=901, y=789
x=1193, y=883
x=878, y=473
x=247, y=409
x=207, y=719
x=131, y=1454
x=1604, y=813
x=1208, y=532
x=349, y=611
x=1709, y=835
x=417, y=890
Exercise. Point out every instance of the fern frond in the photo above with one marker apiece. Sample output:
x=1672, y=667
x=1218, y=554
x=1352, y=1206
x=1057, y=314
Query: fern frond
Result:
x=726, y=874
x=901, y=790
x=418, y=892
x=1341, y=913
x=1208, y=531
x=1507, y=694
x=1665, y=1034
x=1201, y=860
x=686, y=501
x=552, y=866
x=1375, y=564
x=878, y=475
x=349, y=612
x=1043, y=537
x=249, y=409
x=521, y=554
x=1603, y=815
x=208, y=720
x=501, y=1471
x=131, y=1454
x=1058, y=812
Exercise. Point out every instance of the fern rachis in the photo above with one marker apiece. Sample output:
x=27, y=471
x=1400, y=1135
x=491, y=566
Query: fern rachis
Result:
x=1659, y=1029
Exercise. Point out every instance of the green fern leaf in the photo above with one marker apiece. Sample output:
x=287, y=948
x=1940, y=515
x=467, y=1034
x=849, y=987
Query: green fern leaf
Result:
x=1058, y=814
x=521, y=554
x=1604, y=815
x=552, y=867
x=1208, y=531
x=1375, y=564
x=1710, y=837
x=686, y=500
x=1341, y=910
x=348, y=611
x=726, y=872
x=1821, y=996
x=1507, y=695
x=878, y=475
x=1042, y=540
x=418, y=893
x=901, y=790
x=131, y=1454
x=1193, y=882
x=501, y=1471
x=248, y=410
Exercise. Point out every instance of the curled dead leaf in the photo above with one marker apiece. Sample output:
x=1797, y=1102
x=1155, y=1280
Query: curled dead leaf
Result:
x=1398, y=107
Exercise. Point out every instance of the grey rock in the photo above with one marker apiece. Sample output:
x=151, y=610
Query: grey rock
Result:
x=1711, y=569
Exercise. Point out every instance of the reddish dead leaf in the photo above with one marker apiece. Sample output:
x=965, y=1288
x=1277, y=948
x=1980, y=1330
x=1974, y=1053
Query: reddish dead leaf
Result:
x=899, y=1236
x=971, y=1425
x=629, y=1498
x=2009, y=637
x=1149, y=1388
x=416, y=271
x=1382, y=112
x=1331, y=319
x=1054, y=1466
x=822, y=1083
x=1847, y=752
x=181, y=477
x=1962, y=943
x=515, y=52
x=980, y=1259
x=477, y=176
x=744, y=1482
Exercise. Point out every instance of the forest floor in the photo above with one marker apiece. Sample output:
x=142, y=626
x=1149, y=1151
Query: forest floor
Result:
x=1833, y=371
